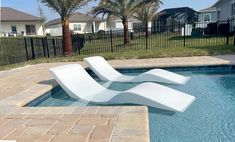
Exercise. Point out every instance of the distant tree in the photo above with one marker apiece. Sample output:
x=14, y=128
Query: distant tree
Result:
x=122, y=9
x=65, y=8
x=42, y=16
x=146, y=13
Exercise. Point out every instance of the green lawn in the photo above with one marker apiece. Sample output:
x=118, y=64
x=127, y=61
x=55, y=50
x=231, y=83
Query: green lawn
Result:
x=164, y=45
x=139, y=54
x=155, y=41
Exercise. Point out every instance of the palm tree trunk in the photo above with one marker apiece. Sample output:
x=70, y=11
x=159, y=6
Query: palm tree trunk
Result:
x=126, y=34
x=67, y=43
x=146, y=29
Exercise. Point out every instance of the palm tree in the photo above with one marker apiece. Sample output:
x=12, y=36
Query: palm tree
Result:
x=42, y=16
x=146, y=13
x=122, y=9
x=65, y=8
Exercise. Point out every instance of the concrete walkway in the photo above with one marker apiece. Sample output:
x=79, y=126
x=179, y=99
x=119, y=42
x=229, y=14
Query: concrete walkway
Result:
x=115, y=124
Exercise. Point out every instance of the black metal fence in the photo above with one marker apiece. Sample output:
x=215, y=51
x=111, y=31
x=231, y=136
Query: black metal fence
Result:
x=201, y=34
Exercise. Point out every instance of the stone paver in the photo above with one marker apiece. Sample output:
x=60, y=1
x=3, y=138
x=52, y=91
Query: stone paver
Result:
x=86, y=124
x=18, y=132
x=35, y=138
x=103, y=132
x=70, y=138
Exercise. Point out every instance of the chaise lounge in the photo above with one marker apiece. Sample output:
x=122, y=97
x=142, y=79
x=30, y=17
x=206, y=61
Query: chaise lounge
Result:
x=107, y=73
x=79, y=84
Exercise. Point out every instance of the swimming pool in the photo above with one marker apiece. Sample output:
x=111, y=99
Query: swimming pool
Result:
x=210, y=118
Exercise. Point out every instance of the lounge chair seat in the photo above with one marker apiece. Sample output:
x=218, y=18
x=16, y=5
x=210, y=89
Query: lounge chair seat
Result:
x=80, y=85
x=107, y=73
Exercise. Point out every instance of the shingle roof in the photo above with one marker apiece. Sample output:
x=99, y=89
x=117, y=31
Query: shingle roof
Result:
x=175, y=12
x=178, y=9
x=218, y=1
x=10, y=14
x=76, y=17
x=209, y=9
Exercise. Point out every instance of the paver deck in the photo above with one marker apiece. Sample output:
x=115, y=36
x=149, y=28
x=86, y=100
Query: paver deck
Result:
x=85, y=124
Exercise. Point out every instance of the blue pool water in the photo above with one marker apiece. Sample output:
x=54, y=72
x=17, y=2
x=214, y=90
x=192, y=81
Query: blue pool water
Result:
x=211, y=118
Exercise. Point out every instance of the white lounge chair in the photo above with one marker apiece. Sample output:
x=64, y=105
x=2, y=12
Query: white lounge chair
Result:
x=107, y=73
x=80, y=85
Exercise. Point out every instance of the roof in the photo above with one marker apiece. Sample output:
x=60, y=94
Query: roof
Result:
x=175, y=12
x=13, y=15
x=209, y=9
x=178, y=9
x=218, y=1
x=76, y=17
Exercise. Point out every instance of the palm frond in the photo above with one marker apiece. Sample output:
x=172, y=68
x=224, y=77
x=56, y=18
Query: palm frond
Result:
x=65, y=8
x=147, y=12
x=122, y=9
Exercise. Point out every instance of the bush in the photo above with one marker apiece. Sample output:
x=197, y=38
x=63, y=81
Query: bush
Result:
x=223, y=29
x=101, y=34
x=211, y=29
x=197, y=31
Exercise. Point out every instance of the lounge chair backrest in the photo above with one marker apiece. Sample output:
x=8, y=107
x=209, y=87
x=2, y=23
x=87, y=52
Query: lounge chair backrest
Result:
x=74, y=79
x=102, y=68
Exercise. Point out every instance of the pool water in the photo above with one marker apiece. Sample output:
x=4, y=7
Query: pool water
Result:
x=211, y=118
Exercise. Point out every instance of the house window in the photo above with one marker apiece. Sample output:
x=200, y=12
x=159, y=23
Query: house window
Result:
x=218, y=15
x=233, y=9
x=207, y=17
x=30, y=29
x=77, y=27
x=13, y=29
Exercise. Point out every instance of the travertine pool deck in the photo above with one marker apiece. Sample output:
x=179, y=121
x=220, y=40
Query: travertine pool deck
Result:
x=86, y=124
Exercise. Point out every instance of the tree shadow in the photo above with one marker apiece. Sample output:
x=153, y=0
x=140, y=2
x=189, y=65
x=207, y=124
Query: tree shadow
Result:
x=49, y=82
x=161, y=111
x=194, y=37
x=216, y=50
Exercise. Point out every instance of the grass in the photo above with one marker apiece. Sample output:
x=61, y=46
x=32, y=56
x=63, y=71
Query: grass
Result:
x=139, y=54
x=160, y=46
x=155, y=41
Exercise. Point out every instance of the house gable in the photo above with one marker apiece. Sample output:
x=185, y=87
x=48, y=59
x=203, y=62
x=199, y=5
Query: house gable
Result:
x=225, y=9
x=12, y=15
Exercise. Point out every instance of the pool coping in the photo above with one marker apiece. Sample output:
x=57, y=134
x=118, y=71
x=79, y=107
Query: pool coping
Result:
x=23, y=98
x=124, y=128
x=13, y=106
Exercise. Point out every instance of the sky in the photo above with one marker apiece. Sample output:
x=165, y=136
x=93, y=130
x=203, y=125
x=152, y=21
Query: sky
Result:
x=30, y=6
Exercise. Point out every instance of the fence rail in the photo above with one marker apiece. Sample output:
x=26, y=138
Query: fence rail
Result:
x=18, y=49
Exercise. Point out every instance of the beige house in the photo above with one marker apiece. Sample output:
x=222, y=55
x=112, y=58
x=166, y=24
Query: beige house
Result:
x=225, y=9
x=14, y=22
x=78, y=23
x=133, y=24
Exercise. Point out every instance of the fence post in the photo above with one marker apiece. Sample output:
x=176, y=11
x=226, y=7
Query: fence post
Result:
x=184, y=33
x=78, y=43
x=43, y=47
x=228, y=32
x=26, y=48
x=234, y=39
x=146, y=37
x=62, y=46
x=53, y=45
x=46, y=42
x=111, y=39
x=32, y=48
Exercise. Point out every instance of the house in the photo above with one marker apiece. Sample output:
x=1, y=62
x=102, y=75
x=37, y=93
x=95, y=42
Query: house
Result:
x=133, y=24
x=172, y=19
x=15, y=22
x=78, y=23
x=208, y=15
x=225, y=9
x=220, y=11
